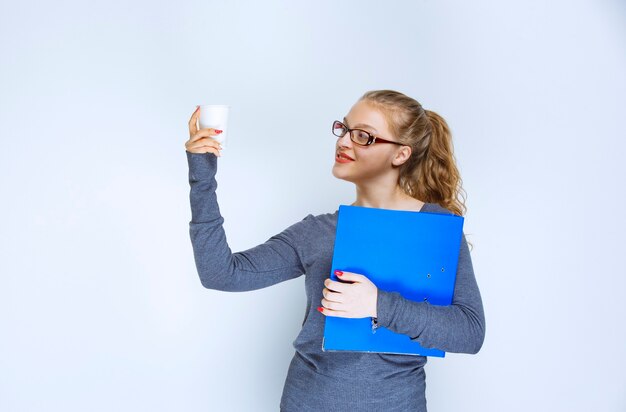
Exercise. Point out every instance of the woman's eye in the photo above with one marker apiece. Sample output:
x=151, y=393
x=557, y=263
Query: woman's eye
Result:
x=363, y=135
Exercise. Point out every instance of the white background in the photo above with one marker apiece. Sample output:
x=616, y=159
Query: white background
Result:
x=101, y=307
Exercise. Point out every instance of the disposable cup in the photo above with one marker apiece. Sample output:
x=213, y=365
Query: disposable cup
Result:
x=215, y=116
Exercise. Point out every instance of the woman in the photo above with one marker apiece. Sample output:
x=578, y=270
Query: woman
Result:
x=399, y=156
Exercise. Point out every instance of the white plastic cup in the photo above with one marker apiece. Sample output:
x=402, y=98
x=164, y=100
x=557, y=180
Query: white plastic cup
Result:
x=215, y=116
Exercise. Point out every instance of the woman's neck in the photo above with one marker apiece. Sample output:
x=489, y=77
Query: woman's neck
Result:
x=386, y=198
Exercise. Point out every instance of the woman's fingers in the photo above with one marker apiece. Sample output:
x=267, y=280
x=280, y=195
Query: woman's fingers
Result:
x=193, y=126
x=335, y=286
x=205, y=149
x=193, y=122
x=206, y=141
x=202, y=145
x=328, y=304
x=332, y=296
x=201, y=140
x=208, y=132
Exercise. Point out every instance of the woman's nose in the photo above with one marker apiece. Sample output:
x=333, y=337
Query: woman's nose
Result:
x=344, y=141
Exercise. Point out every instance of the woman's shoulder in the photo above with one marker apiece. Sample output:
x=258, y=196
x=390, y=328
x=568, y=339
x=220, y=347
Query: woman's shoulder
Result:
x=324, y=218
x=313, y=219
x=320, y=222
x=312, y=227
x=435, y=208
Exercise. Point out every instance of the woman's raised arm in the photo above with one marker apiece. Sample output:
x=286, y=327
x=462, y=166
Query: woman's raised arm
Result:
x=276, y=260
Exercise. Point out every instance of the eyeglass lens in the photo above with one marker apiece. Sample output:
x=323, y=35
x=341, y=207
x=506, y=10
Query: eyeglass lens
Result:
x=358, y=136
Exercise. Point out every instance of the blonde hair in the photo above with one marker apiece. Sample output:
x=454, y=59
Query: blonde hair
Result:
x=430, y=174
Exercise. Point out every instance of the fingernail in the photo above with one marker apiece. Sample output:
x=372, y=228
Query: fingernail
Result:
x=218, y=131
x=338, y=272
x=319, y=308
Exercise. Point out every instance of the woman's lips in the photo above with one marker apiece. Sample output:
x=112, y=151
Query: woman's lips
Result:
x=339, y=158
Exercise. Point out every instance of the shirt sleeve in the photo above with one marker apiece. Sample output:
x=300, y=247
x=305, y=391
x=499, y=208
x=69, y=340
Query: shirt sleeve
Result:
x=277, y=260
x=458, y=327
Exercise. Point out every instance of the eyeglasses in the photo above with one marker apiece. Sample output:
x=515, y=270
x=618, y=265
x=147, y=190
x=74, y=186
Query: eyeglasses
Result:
x=358, y=136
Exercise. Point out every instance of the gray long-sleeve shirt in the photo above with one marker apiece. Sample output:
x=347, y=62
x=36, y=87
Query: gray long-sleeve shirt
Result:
x=333, y=381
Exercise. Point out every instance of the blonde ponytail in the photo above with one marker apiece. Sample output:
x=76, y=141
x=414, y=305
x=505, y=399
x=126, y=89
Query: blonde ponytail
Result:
x=430, y=174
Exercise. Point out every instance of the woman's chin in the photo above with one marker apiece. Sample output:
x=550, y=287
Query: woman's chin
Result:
x=339, y=175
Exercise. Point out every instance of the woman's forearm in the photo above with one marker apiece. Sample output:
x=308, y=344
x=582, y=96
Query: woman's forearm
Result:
x=274, y=261
x=459, y=327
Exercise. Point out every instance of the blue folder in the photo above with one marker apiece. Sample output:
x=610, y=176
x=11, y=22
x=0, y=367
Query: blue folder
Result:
x=413, y=253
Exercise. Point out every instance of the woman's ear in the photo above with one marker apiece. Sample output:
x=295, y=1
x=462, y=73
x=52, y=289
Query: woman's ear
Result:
x=402, y=155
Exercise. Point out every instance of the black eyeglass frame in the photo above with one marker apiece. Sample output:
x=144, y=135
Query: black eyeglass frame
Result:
x=370, y=140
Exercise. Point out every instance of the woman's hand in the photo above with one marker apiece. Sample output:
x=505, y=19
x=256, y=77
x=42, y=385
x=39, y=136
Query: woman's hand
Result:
x=200, y=141
x=349, y=300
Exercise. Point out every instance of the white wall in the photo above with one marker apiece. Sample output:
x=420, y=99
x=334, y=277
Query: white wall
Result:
x=100, y=305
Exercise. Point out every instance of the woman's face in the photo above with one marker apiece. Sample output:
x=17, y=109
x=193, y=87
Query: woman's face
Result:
x=371, y=161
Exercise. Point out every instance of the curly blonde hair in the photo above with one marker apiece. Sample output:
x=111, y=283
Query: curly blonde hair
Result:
x=430, y=174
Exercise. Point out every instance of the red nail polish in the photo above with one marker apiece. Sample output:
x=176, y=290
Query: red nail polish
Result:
x=338, y=272
x=320, y=308
x=218, y=131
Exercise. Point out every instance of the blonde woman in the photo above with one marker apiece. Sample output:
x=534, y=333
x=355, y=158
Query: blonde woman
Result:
x=399, y=156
